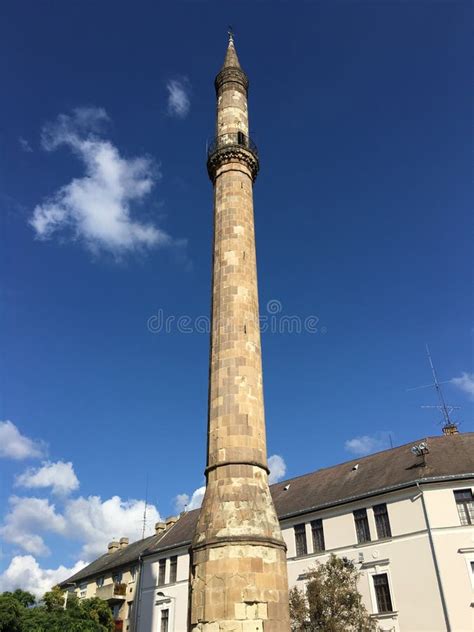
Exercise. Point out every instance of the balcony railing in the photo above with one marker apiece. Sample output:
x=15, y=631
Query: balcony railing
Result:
x=112, y=592
x=232, y=139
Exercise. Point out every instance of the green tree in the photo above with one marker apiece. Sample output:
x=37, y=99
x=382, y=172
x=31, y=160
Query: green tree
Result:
x=332, y=602
x=18, y=613
x=99, y=612
x=11, y=611
x=54, y=599
x=25, y=598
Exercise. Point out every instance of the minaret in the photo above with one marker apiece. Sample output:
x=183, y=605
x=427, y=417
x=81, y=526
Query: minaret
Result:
x=238, y=557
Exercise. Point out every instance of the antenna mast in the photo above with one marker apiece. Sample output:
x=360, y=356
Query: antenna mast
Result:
x=449, y=427
x=145, y=509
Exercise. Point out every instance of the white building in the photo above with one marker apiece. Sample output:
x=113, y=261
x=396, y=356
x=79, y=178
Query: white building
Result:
x=407, y=522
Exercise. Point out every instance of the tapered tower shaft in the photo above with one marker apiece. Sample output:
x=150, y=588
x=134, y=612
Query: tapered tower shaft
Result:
x=238, y=567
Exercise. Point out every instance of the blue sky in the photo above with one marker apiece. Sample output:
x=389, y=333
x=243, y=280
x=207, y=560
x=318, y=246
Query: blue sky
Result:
x=362, y=115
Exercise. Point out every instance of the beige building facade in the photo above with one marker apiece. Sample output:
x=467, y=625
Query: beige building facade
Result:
x=408, y=526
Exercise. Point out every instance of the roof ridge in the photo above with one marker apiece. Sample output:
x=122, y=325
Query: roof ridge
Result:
x=367, y=456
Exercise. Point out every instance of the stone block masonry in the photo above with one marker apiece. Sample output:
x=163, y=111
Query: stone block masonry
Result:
x=238, y=557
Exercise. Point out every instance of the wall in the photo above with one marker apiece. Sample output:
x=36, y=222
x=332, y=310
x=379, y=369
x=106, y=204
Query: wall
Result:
x=406, y=557
x=154, y=598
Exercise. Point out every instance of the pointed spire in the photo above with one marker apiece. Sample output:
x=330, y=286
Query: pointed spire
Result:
x=231, y=60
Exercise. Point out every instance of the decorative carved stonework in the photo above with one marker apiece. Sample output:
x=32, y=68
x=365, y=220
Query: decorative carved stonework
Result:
x=232, y=153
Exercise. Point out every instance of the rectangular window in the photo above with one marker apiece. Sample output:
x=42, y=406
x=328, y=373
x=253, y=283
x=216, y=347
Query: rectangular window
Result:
x=300, y=539
x=117, y=578
x=382, y=522
x=465, y=505
x=318, y=535
x=362, y=526
x=173, y=568
x=133, y=573
x=99, y=581
x=165, y=616
x=382, y=593
x=161, y=572
x=82, y=591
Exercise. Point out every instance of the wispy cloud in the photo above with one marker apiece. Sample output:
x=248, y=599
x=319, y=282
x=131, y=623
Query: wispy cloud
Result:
x=25, y=145
x=96, y=208
x=178, y=97
x=60, y=476
x=14, y=445
x=366, y=444
x=465, y=383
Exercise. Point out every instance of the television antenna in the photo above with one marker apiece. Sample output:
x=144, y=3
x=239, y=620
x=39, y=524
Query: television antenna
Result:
x=449, y=426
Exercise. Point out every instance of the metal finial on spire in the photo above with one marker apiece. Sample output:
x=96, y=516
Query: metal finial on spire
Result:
x=231, y=59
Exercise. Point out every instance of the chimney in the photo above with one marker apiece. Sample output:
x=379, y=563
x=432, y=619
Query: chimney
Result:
x=124, y=542
x=170, y=521
x=113, y=546
x=160, y=527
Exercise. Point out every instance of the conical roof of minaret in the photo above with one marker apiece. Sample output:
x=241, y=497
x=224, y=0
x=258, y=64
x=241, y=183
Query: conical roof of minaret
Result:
x=231, y=60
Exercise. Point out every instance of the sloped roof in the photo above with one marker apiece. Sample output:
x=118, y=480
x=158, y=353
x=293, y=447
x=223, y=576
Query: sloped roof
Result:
x=450, y=457
x=114, y=560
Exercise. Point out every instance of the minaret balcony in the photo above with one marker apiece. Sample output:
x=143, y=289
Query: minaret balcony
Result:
x=232, y=147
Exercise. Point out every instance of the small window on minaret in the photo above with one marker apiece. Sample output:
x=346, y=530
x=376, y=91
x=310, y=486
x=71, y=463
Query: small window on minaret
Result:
x=240, y=138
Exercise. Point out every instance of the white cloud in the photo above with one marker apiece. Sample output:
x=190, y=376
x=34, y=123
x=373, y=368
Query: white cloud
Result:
x=184, y=503
x=181, y=502
x=95, y=523
x=25, y=145
x=60, y=476
x=366, y=444
x=14, y=445
x=465, y=383
x=178, y=97
x=24, y=572
x=90, y=521
x=277, y=468
x=27, y=517
x=96, y=208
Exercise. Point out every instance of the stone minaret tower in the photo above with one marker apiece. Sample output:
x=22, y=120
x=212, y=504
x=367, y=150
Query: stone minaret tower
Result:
x=238, y=566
